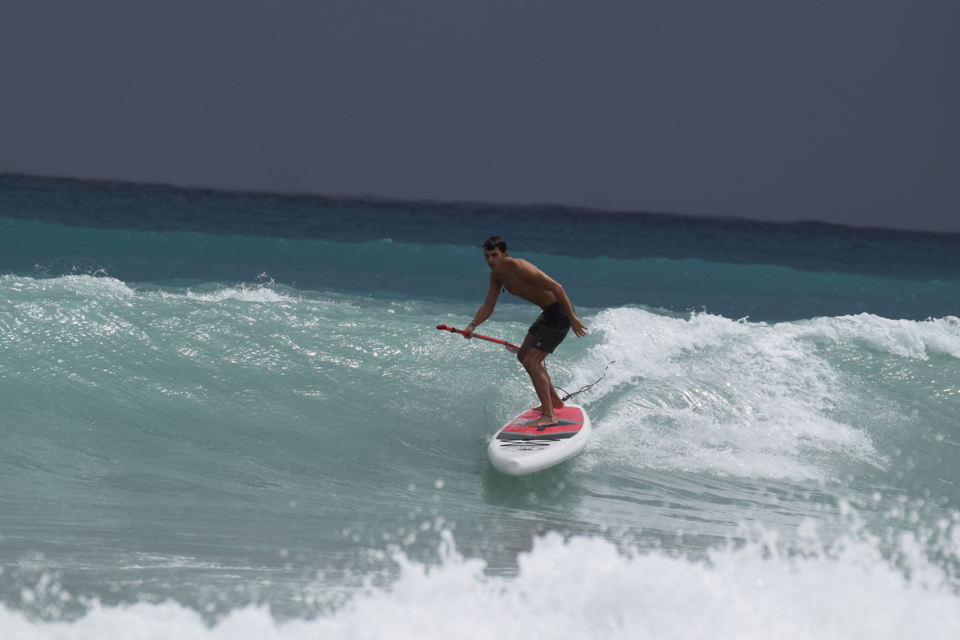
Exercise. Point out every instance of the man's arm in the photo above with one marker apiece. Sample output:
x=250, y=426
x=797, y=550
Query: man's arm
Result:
x=537, y=277
x=486, y=310
x=578, y=327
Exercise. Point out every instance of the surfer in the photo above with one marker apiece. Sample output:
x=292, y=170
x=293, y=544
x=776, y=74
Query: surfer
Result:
x=526, y=281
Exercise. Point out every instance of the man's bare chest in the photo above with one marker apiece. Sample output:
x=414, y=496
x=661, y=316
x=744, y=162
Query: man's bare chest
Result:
x=515, y=286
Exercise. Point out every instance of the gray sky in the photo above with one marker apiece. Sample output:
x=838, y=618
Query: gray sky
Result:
x=844, y=111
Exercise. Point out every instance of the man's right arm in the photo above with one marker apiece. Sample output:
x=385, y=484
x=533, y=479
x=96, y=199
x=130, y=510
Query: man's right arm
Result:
x=486, y=310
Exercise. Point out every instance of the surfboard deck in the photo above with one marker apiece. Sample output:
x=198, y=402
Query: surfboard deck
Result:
x=518, y=449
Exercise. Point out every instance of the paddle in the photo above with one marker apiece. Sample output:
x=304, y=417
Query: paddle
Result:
x=512, y=348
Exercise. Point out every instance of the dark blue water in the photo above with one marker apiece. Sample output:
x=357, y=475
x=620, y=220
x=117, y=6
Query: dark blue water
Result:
x=735, y=268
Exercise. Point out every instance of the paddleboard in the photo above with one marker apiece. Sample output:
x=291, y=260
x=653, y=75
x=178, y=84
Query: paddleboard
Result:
x=518, y=449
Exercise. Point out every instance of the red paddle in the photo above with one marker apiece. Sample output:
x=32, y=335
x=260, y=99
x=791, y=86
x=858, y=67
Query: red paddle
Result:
x=512, y=348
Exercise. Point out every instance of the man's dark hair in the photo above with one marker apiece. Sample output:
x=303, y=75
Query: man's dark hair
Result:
x=495, y=242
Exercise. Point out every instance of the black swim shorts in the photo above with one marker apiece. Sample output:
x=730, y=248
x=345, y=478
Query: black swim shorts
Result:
x=550, y=328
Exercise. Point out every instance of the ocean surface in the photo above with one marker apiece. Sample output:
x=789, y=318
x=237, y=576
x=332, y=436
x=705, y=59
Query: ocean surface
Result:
x=230, y=415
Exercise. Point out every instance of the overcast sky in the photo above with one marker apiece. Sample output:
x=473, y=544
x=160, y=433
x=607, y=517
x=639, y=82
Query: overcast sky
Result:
x=841, y=111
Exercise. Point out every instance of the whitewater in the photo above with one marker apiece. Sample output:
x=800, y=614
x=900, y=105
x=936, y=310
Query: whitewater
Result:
x=231, y=415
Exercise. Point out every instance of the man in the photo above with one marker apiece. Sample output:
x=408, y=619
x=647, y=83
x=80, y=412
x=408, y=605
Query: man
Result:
x=526, y=281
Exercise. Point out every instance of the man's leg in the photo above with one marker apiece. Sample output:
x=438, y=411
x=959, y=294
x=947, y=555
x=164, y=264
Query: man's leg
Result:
x=532, y=360
x=521, y=355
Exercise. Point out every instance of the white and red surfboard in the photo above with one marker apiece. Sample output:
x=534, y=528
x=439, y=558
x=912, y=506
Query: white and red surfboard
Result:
x=518, y=449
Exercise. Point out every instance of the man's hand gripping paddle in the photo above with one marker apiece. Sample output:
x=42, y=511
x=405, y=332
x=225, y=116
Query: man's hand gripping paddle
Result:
x=512, y=348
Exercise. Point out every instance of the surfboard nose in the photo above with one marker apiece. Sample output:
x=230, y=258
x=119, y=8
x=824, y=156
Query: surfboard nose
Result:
x=509, y=467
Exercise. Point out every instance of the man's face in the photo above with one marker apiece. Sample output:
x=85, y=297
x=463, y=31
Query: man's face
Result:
x=494, y=257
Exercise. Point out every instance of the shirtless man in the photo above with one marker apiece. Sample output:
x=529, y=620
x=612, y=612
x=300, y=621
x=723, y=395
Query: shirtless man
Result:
x=526, y=281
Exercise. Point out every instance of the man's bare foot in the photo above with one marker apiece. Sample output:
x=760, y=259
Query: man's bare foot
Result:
x=557, y=404
x=543, y=423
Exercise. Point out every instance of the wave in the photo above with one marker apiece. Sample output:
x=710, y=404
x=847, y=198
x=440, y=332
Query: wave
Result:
x=227, y=423
x=909, y=339
x=709, y=394
x=805, y=400
x=856, y=586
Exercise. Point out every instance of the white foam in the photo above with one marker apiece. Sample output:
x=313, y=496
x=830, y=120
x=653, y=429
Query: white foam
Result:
x=905, y=338
x=242, y=294
x=709, y=394
x=86, y=285
x=585, y=588
x=101, y=286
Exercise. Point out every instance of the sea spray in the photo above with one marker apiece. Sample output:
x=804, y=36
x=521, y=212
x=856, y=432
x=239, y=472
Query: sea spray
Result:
x=756, y=585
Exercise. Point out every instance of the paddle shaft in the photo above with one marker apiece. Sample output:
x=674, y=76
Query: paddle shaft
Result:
x=510, y=347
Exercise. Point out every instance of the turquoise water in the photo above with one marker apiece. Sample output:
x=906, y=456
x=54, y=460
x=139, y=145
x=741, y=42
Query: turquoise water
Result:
x=214, y=435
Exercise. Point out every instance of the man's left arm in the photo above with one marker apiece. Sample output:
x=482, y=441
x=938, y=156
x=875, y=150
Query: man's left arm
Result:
x=539, y=278
x=578, y=327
